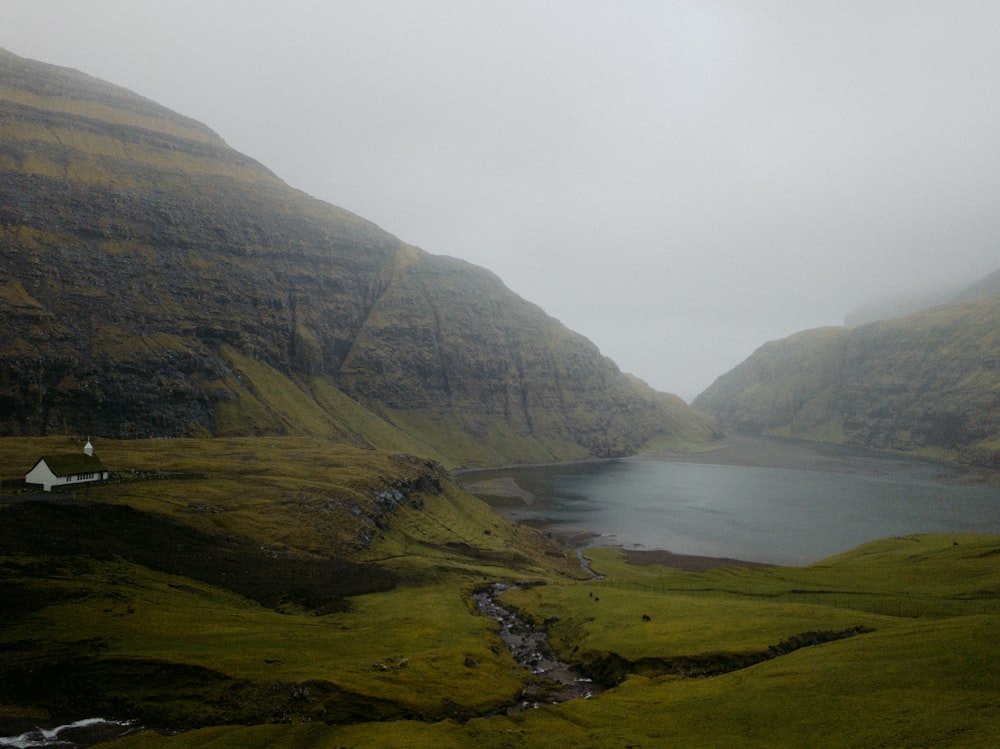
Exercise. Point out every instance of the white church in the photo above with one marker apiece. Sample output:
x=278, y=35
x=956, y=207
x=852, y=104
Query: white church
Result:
x=67, y=468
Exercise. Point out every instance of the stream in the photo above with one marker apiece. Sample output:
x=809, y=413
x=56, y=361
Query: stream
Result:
x=81, y=733
x=556, y=681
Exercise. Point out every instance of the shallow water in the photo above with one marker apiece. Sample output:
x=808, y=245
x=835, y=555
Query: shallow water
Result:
x=81, y=733
x=530, y=648
x=765, y=514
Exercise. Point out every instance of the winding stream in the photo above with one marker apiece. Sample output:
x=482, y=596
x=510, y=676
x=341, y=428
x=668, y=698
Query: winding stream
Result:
x=556, y=681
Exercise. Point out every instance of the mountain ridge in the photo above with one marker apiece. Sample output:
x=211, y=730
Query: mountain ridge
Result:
x=155, y=282
x=927, y=382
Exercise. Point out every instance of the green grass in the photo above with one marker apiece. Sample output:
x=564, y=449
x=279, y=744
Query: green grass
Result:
x=930, y=680
x=138, y=615
x=310, y=497
x=912, y=686
x=682, y=627
x=905, y=687
x=150, y=633
x=293, y=492
x=916, y=663
x=919, y=575
x=295, y=408
x=657, y=620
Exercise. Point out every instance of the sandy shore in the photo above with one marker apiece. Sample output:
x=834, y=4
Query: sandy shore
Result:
x=580, y=540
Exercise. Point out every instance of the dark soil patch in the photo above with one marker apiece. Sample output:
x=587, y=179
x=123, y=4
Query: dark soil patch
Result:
x=17, y=601
x=176, y=696
x=611, y=668
x=160, y=543
x=511, y=558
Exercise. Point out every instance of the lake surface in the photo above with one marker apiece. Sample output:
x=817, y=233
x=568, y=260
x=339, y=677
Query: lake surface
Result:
x=757, y=513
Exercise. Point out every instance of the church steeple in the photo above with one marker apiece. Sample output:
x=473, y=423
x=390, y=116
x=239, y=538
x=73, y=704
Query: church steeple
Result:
x=88, y=448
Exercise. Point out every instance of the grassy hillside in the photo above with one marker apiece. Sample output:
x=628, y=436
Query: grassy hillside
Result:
x=156, y=283
x=927, y=383
x=253, y=580
x=887, y=645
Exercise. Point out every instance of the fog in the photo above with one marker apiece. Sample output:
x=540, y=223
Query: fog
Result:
x=678, y=181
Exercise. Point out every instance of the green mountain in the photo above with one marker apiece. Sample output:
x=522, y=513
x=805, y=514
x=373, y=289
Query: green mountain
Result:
x=928, y=382
x=155, y=282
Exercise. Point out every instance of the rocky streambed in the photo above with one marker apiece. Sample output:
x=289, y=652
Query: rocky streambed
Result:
x=78, y=734
x=555, y=680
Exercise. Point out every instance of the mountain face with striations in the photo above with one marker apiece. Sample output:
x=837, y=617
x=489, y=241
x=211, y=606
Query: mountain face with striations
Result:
x=154, y=282
x=926, y=382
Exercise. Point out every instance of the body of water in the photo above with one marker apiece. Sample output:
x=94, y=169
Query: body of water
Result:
x=766, y=514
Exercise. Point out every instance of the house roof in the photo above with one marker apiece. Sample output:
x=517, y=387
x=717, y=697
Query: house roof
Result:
x=70, y=464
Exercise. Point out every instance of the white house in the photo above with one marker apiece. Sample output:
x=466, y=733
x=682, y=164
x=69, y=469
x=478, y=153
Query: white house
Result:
x=67, y=468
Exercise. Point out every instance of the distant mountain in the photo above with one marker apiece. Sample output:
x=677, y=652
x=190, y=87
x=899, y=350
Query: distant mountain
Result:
x=906, y=304
x=983, y=287
x=154, y=282
x=899, y=306
x=927, y=382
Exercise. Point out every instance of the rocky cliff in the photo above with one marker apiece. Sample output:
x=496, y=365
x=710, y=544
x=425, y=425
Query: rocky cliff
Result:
x=154, y=282
x=927, y=382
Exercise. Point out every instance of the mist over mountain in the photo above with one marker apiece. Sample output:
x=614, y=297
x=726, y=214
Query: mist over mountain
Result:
x=983, y=287
x=927, y=382
x=899, y=306
x=905, y=304
x=154, y=282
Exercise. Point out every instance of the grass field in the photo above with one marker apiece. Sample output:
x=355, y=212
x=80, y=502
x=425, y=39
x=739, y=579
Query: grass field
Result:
x=172, y=618
x=927, y=679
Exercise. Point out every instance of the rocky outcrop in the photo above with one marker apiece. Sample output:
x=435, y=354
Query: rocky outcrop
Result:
x=154, y=282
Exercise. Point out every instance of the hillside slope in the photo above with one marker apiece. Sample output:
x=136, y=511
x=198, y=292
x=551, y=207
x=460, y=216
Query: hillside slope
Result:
x=334, y=555
x=154, y=282
x=928, y=382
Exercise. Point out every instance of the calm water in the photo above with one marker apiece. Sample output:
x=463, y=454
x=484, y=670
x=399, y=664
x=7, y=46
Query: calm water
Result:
x=774, y=515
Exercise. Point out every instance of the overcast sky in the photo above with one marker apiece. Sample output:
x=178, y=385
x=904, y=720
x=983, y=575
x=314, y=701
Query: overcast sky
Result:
x=678, y=181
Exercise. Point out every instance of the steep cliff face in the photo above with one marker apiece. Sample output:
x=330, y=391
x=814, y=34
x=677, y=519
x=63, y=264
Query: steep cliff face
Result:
x=929, y=381
x=155, y=282
x=783, y=383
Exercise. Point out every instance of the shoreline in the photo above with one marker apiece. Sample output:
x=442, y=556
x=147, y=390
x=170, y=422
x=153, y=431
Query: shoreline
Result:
x=578, y=540
x=750, y=451
x=686, y=562
x=456, y=472
x=766, y=451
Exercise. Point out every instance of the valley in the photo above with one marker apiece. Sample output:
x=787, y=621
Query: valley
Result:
x=213, y=611
x=291, y=402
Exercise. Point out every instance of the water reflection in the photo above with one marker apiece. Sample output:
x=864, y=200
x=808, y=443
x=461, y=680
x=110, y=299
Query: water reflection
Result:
x=777, y=515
